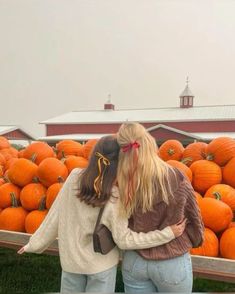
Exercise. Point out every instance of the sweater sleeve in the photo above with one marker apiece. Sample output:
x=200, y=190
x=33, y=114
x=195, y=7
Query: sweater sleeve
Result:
x=195, y=226
x=48, y=230
x=125, y=238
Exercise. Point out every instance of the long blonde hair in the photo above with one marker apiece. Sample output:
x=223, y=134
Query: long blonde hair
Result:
x=141, y=175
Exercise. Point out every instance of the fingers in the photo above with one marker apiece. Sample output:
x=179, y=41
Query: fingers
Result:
x=182, y=221
x=21, y=250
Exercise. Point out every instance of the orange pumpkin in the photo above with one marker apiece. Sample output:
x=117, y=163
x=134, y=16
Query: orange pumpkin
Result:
x=182, y=167
x=198, y=197
x=2, y=160
x=9, y=153
x=171, y=149
x=210, y=245
x=52, y=193
x=13, y=218
x=72, y=162
x=35, y=218
x=216, y=214
x=193, y=152
x=10, y=162
x=38, y=151
x=50, y=170
x=221, y=150
x=22, y=172
x=227, y=244
x=232, y=225
x=4, y=143
x=68, y=147
x=222, y=192
x=205, y=174
x=31, y=195
x=88, y=147
x=21, y=153
x=1, y=171
x=2, y=181
x=228, y=173
x=6, y=192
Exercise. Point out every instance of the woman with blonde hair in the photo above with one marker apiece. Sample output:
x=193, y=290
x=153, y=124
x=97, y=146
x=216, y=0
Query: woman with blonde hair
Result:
x=73, y=217
x=154, y=194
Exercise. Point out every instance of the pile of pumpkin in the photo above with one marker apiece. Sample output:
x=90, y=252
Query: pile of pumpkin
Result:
x=211, y=171
x=31, y=179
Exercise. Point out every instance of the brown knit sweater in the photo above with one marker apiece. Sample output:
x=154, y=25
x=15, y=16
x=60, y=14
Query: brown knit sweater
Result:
x=183, y=205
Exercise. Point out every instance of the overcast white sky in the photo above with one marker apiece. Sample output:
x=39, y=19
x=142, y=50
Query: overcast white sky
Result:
x=62, y=55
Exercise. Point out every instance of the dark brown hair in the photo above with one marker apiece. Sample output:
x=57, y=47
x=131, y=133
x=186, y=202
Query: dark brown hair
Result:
x=108, y=147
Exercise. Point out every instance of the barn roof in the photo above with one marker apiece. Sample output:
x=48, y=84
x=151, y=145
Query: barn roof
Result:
x=4, y=130
x=170, y=114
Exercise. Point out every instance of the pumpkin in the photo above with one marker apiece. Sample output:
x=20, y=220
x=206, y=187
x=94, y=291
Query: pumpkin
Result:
x=228, y=173
x=171, y=149
x=21, y=153
x=6, y=192
x=72, y=162
x=193, y=152
x=222, y=192
x=31, y=195
x=52, y=193
x=227, y=244
x=13, y=218
x=205, y=174
x=88, y=147
x=22, y=172
x=4, y=143
x=221, y=150
x=2, y=160
x=232, y=225
x=198, y=197
x=50, y=170
x=1, y=171
x=10, y=162
x=35, y=218
x=2, y=181
x=216, y=214
x=68, y=147
x=9, y=153
x=38, y=151
x=182, y=167
x=210, y=245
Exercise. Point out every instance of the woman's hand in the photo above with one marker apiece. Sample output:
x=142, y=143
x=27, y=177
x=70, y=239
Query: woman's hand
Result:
x=179, y=228
x=21, y=250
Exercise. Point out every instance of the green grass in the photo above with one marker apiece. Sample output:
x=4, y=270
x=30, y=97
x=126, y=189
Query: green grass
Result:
x=41, y=273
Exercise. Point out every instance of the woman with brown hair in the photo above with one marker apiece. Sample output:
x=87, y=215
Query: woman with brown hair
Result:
x=155, y=195
x=73, y=216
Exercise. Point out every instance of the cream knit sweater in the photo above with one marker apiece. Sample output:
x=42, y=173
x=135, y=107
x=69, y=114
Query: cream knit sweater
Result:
x=73, y=222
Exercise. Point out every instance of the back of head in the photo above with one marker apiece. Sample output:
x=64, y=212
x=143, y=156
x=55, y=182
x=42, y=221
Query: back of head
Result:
x=97, y=180
x=142, y=175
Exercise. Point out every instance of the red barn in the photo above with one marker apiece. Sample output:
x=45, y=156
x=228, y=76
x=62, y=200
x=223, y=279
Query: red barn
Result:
x=13, y=133
x=186, y=123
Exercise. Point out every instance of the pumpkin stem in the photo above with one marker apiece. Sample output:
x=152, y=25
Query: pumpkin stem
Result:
x=60, y=179
x=210, y=157
x=5, y=179
x=186, y=160
x=35, y=180
x=14, y=201
x=171, y=151
x=33, y=157
x=42, y=204
x=217, y=195
x=55, y=150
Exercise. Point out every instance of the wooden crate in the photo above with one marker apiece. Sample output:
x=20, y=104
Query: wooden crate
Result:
x=219, y=269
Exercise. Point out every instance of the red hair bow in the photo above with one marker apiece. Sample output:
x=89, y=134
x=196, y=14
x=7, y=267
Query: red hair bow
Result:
x=128, y=147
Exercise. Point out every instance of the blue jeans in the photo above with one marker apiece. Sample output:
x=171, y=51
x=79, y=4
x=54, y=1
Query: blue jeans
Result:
x=146, y=276
x=100, y=282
